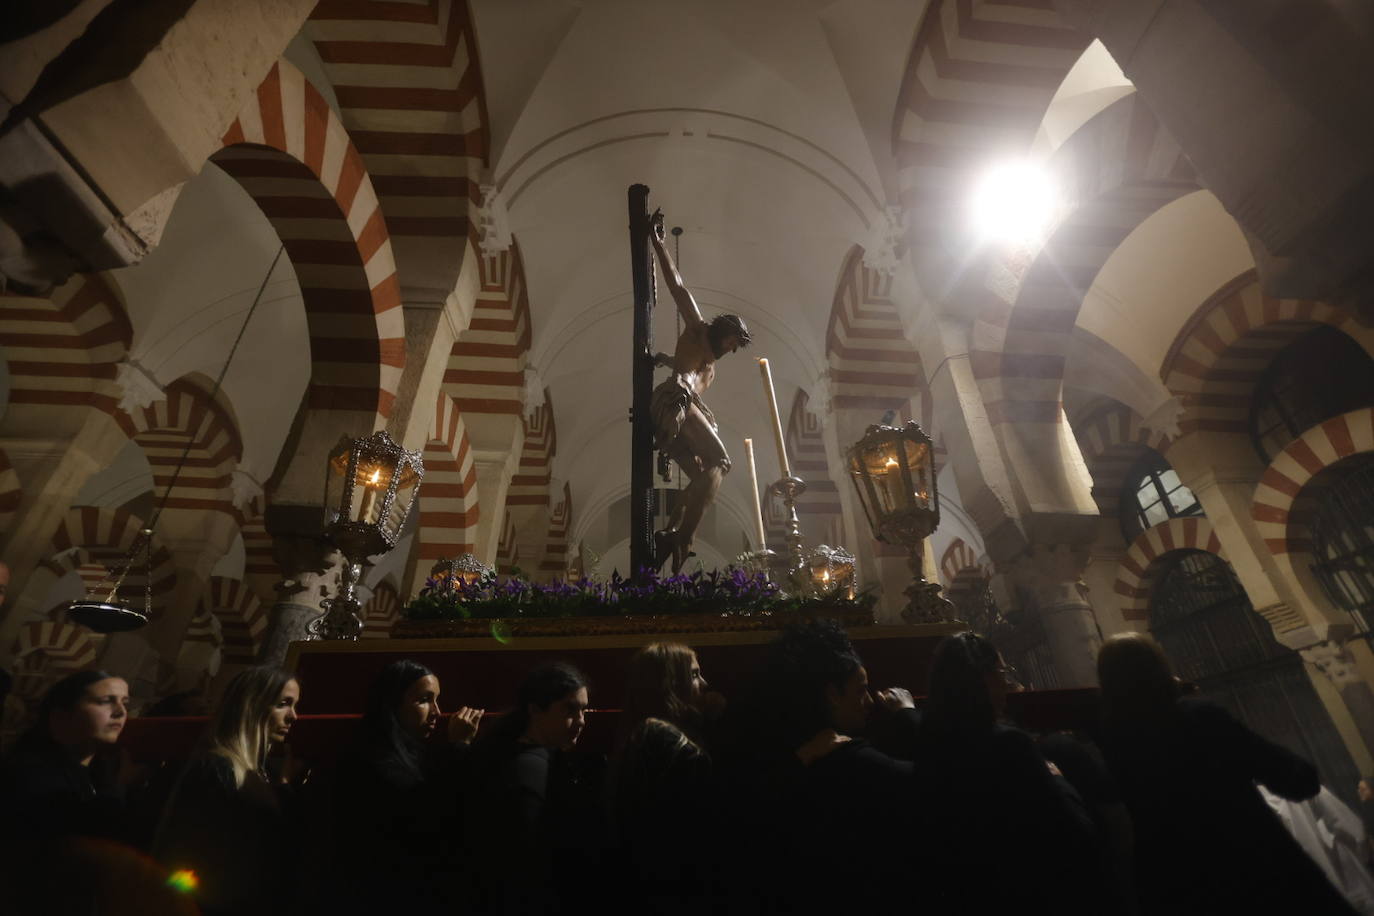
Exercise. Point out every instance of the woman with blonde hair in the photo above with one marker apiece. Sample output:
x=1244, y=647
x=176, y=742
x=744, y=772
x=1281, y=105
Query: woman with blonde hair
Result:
x=227, y=820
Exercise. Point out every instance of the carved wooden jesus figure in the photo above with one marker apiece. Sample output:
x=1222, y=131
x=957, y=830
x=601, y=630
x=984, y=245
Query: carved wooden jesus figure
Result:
x=684, y=427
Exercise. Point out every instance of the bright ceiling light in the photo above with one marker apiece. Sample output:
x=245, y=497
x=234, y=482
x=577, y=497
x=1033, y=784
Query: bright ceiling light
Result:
x=1014, y=202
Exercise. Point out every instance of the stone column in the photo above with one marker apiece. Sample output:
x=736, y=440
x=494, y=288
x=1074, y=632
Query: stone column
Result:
x=1052, y=576
x=307, y=561
x=1334, y=668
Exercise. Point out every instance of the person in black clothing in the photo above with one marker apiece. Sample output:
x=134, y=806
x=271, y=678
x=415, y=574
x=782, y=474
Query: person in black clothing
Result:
x=1205, y=840
x=395, y=800
x=531, y=813
x=61, y=783
x=229, y=820
x=663, y=797
x=1000, y=828
x=818, y=816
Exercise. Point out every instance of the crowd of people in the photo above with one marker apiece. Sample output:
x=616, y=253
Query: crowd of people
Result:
x=809, y=791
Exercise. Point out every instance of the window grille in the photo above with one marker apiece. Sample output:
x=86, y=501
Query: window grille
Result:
x=1212, y=636
x=1342, y=530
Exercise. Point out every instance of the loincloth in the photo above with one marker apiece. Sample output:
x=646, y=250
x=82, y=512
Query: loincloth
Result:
x=668, y=407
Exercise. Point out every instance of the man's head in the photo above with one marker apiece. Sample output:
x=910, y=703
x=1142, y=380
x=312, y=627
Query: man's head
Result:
x=727, y=334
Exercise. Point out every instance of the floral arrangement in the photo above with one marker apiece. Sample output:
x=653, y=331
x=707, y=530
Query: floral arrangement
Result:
x=734, y=592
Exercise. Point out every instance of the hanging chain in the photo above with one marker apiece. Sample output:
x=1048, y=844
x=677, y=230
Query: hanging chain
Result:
x=145, y=536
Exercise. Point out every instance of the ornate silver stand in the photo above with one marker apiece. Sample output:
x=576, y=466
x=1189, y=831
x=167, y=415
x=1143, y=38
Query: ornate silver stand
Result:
x=791, y=572
x=924, y=602
x=342, y=617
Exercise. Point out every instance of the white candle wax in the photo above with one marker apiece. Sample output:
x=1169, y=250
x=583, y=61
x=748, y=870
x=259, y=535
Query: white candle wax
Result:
x=777, y=417
x=754, y=486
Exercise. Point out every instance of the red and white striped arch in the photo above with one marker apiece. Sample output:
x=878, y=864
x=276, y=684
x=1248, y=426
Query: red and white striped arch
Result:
x=818, y=508
x=873, y=366
x=92, y=540
x=507, y=548
x=291, y=153
x=260, y=570
x=45, y=651
x=409, y=87
x=59, y=350
x=1111, y=439
x=978, y=81
x=957, y=558
x=448, y=499
x=486, y=369
x=163, y=430
x=1137, y=569
x=381, y=612
x=1277, y=508
x=528, y=499
x=1112, y=174
x=1218, y=358
x=554, y=562
x=11, y=493
x=242, y=618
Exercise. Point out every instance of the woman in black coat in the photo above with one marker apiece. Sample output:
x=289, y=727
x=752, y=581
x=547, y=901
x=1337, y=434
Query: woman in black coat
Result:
x=1205, y=840
x=396, y=799
x=532, y=815
x=1001, y=831
x=230, y=820
x=61, y=784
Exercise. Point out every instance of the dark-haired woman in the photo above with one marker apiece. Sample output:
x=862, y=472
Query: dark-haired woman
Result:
x=1205, y=840
x=819, y=811
x=61, y=781
x=396, y=797
x=1003, y=832
x=230, y=819
x=662, y=797
x=530, y=814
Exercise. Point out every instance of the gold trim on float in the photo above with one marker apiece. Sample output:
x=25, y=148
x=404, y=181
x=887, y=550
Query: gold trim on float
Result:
x=604, y=641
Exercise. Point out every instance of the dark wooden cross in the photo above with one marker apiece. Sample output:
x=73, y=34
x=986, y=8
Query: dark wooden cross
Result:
x=642, y=384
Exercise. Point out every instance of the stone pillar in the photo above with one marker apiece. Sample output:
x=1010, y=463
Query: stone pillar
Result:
x=1334, y=668
x=1052, y=576
x=308, y=563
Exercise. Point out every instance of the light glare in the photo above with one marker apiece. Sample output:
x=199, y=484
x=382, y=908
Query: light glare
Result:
x=1014, y=202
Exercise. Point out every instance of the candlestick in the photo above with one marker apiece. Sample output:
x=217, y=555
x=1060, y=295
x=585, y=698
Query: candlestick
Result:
x=777, y=417
x=754, y=486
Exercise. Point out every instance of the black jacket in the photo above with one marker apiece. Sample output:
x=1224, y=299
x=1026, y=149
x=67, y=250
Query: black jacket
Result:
x=1205, y=840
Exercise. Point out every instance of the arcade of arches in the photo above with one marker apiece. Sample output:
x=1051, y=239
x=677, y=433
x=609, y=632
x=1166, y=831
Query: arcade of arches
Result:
x=1156, y=411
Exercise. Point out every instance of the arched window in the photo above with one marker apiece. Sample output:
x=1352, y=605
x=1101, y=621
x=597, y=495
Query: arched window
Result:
x=1321, y=375
x=1153, y=494
x=1202, y=617
x=1342, y=529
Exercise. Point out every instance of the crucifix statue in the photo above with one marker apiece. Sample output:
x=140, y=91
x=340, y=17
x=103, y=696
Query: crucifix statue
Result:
x=676, y=414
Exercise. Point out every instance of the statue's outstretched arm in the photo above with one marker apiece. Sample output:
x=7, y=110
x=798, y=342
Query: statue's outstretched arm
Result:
x=686, y=305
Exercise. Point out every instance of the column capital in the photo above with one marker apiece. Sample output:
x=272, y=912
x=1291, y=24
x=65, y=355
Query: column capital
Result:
x=1333, y=659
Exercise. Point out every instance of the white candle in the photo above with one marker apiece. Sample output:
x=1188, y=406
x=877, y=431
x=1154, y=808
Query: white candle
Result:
x=754, y=486
x=777, y=417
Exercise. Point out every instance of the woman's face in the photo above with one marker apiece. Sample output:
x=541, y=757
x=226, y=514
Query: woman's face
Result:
x=698, y=685
x=561, y=723
x=419, y=710
x=283, y=712
x=849, y=705
x=97, y=718
x=998, y=685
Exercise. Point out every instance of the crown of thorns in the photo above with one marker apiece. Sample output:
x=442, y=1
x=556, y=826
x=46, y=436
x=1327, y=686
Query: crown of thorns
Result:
x=726, y=325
